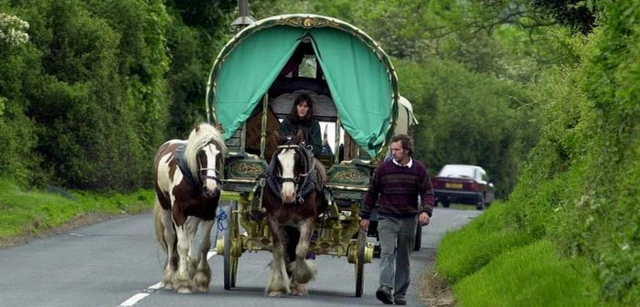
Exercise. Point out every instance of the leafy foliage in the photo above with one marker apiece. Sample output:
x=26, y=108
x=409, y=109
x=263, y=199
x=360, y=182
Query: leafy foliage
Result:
x=209, y=15
x=18, y=62
x=88, y=98
x=578, y=14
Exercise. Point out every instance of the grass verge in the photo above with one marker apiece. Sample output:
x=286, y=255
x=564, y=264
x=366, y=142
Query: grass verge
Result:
x=530, y=276
x=463, y=252
x=34, y=213
x=490, y=263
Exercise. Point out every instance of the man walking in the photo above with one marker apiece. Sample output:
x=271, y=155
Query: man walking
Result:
x=397, y=186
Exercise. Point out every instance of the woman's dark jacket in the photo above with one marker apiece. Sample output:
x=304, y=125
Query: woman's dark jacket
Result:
x=312, y=134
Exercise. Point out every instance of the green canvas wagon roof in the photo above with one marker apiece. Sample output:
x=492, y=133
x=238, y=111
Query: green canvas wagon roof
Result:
x=360, y=76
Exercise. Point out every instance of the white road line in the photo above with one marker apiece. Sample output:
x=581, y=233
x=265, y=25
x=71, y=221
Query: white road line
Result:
x=156, y=286
x=139, y=296
x=134, y=299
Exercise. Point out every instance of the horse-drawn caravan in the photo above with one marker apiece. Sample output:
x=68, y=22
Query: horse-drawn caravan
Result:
x=281, y=200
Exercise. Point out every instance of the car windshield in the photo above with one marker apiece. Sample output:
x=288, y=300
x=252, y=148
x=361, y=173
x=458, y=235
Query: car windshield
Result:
x=460, y=171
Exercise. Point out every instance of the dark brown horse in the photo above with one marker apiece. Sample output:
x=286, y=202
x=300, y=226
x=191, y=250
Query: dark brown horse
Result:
x=293, y=200
x=187, y=194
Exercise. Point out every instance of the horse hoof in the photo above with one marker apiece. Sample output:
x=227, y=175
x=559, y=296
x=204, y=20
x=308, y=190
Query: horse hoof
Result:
x=202, y=283
x=276, y=293
x=299, y=290
x=203, y=288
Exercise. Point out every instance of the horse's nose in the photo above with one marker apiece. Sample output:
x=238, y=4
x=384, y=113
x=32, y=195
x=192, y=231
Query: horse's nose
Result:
x=288, y=197
x=209, y=193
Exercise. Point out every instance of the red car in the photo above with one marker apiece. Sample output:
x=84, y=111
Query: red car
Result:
x=463, y=184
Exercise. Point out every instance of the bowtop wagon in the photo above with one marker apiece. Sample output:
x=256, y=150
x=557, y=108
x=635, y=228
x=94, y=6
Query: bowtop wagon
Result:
x=251, y=88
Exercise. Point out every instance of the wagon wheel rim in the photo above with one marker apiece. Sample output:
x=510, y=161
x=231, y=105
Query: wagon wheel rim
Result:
x=230, y=262
x=359, y=265
x=234, y=271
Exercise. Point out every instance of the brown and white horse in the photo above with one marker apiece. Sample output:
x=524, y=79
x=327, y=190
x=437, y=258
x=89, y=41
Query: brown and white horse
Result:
x=293, y=200
x=187, y=188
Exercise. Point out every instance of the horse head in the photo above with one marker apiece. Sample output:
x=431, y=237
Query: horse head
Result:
x=205, y=151
x=291, y=157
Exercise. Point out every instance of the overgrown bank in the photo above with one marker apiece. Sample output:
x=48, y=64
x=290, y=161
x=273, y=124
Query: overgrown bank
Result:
x=569, y=235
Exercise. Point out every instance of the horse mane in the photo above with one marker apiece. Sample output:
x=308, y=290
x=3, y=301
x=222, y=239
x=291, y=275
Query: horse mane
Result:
x=200, y=136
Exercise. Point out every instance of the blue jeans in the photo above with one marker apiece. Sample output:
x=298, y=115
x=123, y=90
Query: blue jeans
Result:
x=397, y=237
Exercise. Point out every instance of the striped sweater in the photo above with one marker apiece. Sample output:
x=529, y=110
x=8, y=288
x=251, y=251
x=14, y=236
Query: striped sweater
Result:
x=396, y=189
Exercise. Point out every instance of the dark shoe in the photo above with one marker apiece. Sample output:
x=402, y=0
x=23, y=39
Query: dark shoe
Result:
x=400, y=300
x=384, y=295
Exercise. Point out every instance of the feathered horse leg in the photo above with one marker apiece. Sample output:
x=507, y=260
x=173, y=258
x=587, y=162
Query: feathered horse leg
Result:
x=182, y=280
x=202, y=277
x=279, y=280
x=303, y=270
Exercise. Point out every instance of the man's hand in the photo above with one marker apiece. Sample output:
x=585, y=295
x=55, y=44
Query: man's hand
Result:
x=423, y=219
x=364, y=224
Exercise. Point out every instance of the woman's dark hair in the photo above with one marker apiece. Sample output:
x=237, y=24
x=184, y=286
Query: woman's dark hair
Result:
x=406, y=142
x=304, y=97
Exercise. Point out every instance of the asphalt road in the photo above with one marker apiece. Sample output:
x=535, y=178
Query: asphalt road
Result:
x=118, y=263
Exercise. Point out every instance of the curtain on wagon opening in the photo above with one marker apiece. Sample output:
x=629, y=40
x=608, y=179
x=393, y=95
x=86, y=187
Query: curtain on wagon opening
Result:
x=359, y=81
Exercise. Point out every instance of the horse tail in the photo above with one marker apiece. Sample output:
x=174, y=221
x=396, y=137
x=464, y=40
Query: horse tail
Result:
x=159, y=227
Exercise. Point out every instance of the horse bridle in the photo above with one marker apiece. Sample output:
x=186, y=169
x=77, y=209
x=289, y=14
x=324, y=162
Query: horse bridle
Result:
x=297, y=148
x=202, y=173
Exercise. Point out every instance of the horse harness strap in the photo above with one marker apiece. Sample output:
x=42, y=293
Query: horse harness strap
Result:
x=309, y=182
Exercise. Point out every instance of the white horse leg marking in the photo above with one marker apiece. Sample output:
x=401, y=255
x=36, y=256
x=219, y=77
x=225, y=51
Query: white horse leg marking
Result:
x=191, y=227
x=203, y=271
x=170, y=239
x=279, y=283
x=287, y=162
x=182, y=282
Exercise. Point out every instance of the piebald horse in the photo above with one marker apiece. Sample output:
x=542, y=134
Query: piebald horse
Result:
x=187, y=188
x=293, y=199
